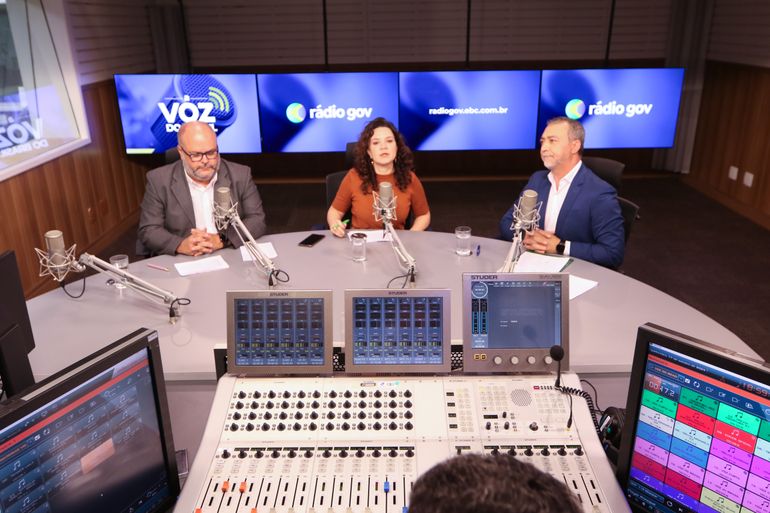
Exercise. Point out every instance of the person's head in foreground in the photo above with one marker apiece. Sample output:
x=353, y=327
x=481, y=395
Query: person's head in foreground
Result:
x=473, y=483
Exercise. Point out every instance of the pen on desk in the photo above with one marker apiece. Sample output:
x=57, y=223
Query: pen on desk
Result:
x=478, y=250
x=158, y=267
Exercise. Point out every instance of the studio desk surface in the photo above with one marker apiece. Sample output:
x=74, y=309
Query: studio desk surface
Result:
x=602, y=324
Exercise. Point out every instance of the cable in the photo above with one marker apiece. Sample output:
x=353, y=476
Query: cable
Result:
x=589, y=401
x=64, y=288
x=403, y=285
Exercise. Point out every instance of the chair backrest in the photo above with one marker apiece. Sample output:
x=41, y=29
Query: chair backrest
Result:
x=333, y=181
x=611, y=171
x=630, y=212
x=350, y=154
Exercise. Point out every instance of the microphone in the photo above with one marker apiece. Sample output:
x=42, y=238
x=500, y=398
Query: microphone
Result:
x=526, y=216
x=57, y=261
x=223, y=208
x=557, y=353
x=527, y=211
x=385, y=203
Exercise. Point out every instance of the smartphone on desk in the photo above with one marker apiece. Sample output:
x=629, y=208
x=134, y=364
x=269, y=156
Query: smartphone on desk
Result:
x=311, y=240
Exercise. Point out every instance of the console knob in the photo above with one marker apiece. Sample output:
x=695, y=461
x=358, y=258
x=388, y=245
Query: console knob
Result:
x=300, y=405
x=497, y=360
x=393, y=453
x=376, y=453
x=488, y=426
x=316, y=394
x=408, y=393
x=332, y=404
x=241, y=395
x=257, y=395
x=495, y=451
x=332, y=394
x=533, y=426
x=265, y=427
x=562, y=451
x=512, y=451
x=329, y=426
x=347, y=404
x=315, y=405
x=327, y=453
x=548, y=360
x=579, y=450
x=254, y=405
x=377, y=426
x=225, y=454
x=377, y=404
x=346, y=415
x=271, y=394
x=301, y=394
x=313, y=426
x=545, y=452
x=393, y=415
x=361, y=426
x=269, y=405
x=345, y=426
x=259, y=454
x=359, y=453
x=292, y=453
x=409, y=453
x=275, y=453
x=507, y=425
x=242, y=454
x=408, y=426
x=249, y=427
x=237, y=416
x=297, y=426
x=330, y=415
x=528, y=451
x=377, y=415
x=531, y=360
x=348, y=393
x=267, y=416
x=514, y=360
x=308, y=453
x=392, y=393
x=313, y=415
x=238, y=405
x=393, y=426
x=283, y=415
x=377, y=393
x=408, y=414
x=286, y=394
x=362, y=415
x=393, y=404
x=362, y=404
x=298, y=415
x=233, y=427
x=362, y=394
x=281, y=426
x=343, y=453
x=407, y=404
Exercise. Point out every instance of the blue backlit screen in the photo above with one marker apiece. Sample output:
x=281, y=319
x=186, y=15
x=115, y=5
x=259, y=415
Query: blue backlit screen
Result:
x=153, y=107
x=320, y=112
x=279, y=331
x=469, y=110
x=619, y=108
x=398, y=330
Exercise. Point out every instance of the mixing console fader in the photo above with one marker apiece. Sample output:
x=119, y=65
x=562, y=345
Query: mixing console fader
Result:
x=349, y=445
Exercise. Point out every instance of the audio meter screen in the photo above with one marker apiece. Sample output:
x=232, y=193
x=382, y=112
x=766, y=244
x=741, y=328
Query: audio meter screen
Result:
x=398, y=330
x=279, y=331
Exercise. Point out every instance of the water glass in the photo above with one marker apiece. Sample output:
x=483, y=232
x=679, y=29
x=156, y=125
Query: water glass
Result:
x=358, y=245
x=463, y=240
x=121, y=262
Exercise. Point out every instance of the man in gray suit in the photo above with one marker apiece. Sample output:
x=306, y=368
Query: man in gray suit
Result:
x=177, y=209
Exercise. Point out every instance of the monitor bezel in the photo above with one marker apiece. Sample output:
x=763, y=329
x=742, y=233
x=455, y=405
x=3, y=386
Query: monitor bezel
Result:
x=484, y=360
x=365, y=369
x=281, y=370
x=650, y=333
x=66, y=380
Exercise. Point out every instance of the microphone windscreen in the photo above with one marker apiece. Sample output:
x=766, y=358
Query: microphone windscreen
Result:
x=386, y=194
x=54, y=244
x=557, y=352
x=528, y=204
x=222, y=198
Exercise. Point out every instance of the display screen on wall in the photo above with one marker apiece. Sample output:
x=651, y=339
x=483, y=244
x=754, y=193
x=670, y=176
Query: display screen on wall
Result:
x=619, y=108
x=319, y=112
x=153, y=107
x=469, y=110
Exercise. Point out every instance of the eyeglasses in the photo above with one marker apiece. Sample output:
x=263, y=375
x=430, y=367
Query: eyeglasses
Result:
x=197, y=157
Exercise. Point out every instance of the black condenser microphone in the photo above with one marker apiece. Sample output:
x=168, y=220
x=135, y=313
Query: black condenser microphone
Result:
x=557, y=353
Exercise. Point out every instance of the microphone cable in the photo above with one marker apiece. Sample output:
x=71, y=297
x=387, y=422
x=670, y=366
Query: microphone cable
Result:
x=278, y=275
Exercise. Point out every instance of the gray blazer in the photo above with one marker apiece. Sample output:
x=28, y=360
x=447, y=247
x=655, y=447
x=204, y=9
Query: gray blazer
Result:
x=167, y=214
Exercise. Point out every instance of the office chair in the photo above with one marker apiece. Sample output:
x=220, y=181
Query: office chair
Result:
x=611, y=171
x=630, y=212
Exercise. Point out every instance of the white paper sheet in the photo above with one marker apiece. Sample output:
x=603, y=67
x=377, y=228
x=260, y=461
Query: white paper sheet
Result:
x=578, y=285
x=266, y=248
x=203, y=265
x=530, y=262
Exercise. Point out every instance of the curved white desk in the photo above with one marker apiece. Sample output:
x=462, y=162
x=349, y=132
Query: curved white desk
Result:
x=603, y=321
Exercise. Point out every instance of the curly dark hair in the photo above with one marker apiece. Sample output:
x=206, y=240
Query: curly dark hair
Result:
x=402, y=166
x=473, y=483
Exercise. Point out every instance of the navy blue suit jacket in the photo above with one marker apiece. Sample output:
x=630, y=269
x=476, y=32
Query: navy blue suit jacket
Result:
x=590, y=217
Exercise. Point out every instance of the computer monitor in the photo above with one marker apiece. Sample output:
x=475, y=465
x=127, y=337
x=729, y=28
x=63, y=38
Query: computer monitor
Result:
x=279, y=332
x=389, y=331
x=94, y=437
x=511, y=321
x=16, y=339
x=697, y=427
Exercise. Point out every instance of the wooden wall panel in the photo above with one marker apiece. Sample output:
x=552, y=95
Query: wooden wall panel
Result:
x=91, y=194
x=732, y=131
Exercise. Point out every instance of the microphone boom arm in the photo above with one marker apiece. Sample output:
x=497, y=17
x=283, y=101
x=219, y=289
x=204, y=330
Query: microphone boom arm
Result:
x=128, y=279
x=405, y=259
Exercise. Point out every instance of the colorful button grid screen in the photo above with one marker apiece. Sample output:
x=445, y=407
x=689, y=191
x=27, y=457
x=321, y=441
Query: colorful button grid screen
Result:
x=702, y=439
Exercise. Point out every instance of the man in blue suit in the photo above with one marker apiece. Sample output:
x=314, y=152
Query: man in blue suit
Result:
x=580, y=215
